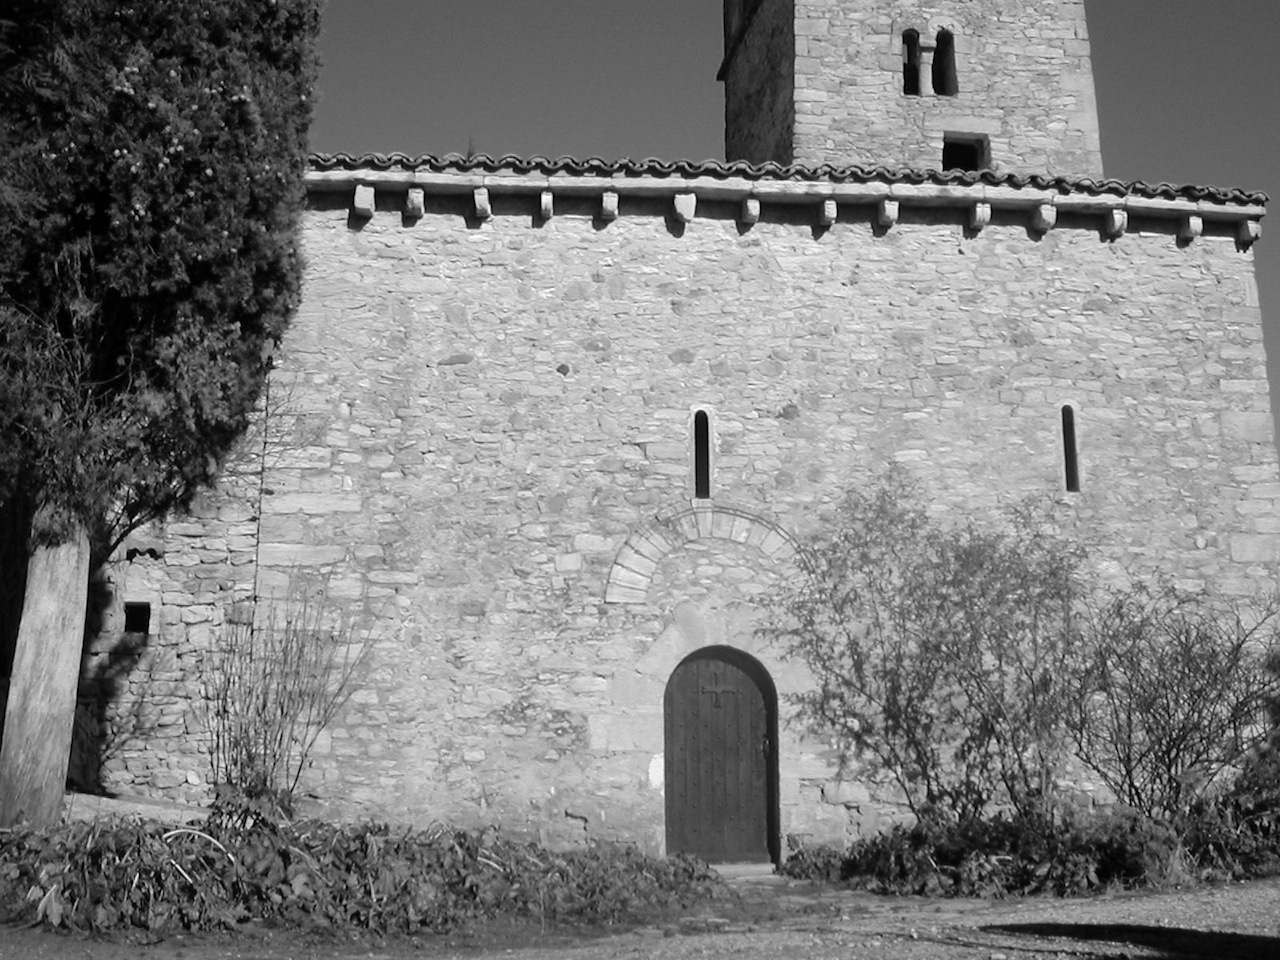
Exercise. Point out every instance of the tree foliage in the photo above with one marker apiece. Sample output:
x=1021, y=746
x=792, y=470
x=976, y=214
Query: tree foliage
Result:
x=150, y=182
x=943, y=654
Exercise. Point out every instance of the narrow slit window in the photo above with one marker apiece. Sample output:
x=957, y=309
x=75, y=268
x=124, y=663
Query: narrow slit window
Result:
x=944, y=65
x=702, y=455
x=911, y=63
x=1070, y=452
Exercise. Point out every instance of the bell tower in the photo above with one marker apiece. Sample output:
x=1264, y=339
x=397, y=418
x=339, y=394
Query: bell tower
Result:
x=938, y=84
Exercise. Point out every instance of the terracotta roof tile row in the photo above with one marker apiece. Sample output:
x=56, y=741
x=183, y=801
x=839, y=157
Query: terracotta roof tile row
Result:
x=595, y=166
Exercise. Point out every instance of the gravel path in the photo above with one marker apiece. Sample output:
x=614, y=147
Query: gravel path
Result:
x=792, y=921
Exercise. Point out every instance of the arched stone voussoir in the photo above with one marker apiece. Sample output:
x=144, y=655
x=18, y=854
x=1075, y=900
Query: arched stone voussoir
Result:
x=638, y=559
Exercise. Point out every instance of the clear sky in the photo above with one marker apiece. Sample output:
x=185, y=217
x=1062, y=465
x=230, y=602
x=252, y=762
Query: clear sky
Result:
x=1188, y=90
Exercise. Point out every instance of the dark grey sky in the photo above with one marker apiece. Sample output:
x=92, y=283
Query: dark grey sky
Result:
x=1188, y=90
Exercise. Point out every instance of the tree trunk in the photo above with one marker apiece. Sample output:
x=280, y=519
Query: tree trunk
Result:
x=42, y=687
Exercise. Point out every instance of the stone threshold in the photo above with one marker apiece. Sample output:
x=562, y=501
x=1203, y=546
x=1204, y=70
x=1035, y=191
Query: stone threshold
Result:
x=85, y=806
x=747, y=872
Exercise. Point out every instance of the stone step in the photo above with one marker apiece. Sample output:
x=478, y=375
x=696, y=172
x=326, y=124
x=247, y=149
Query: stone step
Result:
x=84, y=806
x=753, y=873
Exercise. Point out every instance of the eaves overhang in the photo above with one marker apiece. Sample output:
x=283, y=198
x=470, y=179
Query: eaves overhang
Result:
x=752, y=184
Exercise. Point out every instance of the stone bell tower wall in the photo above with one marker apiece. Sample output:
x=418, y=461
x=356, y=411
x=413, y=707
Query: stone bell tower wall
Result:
x=1022, y=88
x=759, y=79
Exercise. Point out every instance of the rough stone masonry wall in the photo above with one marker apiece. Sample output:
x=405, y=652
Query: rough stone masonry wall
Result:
x=483, y=412
x=1023, y=69
x=141, y=728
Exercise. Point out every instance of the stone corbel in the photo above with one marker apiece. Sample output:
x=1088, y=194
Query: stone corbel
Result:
x=827, y=213
x=750, y=210
x=888, y=214
x=415, y=204
x=979, y=216
x=686, y=205
x=1248, y=232
x=1190, y=228
x=1117, y=222
x=546, y=205
x=362, y=205
x=609, y=205
x=484, y=209
x=1044, y=217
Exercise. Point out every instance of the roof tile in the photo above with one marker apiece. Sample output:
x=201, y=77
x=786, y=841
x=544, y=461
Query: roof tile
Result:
x=595, y=166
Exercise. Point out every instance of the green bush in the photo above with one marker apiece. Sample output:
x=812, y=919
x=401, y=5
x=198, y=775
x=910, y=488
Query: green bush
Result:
x=1237, y=832
x=819, y=862
x=1007, y=855
x=367, y=877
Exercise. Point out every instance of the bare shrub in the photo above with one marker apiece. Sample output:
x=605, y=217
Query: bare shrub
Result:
x=276, y=677
x=944, y=655
x=1271, y=663
x=1176, y=695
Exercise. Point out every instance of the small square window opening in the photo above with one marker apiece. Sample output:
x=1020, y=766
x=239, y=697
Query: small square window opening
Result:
x=965, y=153
x=137, y=617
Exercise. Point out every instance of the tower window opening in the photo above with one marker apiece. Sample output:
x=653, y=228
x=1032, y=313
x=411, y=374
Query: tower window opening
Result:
x=911, y=63
x=964, y=153
x=944, y=65
x=702, y=455
x=1070, y=452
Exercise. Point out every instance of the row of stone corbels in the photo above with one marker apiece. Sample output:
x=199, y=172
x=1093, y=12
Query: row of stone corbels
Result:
x=637, y=561
x=980, y=200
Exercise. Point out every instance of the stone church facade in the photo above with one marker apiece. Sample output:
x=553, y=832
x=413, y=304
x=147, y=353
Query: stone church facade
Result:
x=553, y=427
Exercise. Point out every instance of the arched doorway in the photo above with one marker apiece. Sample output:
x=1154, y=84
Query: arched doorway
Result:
x=721, y=747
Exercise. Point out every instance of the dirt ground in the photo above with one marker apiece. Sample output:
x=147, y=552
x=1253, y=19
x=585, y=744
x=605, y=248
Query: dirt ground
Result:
x=775, y=919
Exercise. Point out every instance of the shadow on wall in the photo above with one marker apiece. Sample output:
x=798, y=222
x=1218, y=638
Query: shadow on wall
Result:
x=14, y=521
x=105, y=669
x=107, y=666
x=1171, y=942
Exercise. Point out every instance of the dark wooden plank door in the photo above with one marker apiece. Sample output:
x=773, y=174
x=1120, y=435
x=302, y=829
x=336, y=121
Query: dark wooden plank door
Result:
x=717, y=762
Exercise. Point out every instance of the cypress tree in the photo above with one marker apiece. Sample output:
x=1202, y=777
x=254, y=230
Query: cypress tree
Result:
x=151, y=177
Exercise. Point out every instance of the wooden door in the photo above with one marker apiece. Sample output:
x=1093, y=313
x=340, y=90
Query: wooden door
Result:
x=720, y=715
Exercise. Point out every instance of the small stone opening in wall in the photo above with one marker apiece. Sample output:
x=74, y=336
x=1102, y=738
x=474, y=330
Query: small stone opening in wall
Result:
x=1070, y=453
x=944, y=65
x=563, y=370
x=911, y=63
x=963, y=152
x=702, y=455
x=137, y=617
